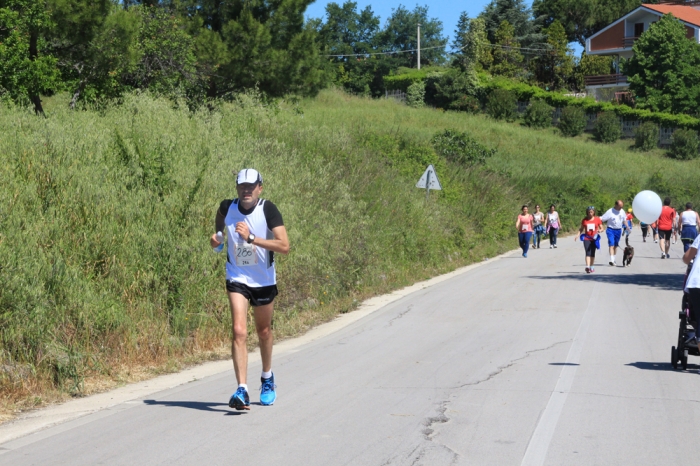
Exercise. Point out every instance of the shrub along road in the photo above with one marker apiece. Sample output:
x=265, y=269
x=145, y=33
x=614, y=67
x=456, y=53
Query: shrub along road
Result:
x=520, y=361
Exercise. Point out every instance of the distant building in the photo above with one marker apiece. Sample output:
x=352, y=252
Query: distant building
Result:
x=617, y=39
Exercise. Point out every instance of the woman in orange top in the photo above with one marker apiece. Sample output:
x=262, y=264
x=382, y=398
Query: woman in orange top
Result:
x=524, y=227
x=591, y=227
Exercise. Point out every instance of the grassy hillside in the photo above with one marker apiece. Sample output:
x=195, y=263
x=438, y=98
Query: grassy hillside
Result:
x=105, y=215
x=540, y=164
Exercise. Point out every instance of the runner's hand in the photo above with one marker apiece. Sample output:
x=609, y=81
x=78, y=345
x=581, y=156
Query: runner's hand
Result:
x=214, y=241
x=243, y=230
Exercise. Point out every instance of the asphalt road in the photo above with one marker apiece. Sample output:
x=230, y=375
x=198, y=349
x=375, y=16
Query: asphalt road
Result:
x=520, y=361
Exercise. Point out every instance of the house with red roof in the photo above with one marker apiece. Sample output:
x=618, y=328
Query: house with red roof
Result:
x=617, y=39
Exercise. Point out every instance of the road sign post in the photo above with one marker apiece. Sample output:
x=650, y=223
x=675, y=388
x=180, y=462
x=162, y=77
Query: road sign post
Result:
x=429, y=181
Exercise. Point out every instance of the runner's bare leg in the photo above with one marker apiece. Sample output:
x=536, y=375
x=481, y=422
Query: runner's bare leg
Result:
x=239, y=348
x=263, y=324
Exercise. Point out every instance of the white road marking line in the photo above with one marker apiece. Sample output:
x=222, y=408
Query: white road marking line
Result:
x=537, y=449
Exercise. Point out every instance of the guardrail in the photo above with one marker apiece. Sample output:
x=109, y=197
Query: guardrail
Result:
x=605, y=79
x=629, y=41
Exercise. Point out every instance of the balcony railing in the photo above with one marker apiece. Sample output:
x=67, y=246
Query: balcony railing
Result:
x=628, y=42
x=605, y=79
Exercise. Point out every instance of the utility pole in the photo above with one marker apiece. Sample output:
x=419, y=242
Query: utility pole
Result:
x=418, y=45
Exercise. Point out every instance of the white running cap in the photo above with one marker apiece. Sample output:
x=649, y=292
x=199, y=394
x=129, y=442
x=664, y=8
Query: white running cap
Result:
x=248, y=175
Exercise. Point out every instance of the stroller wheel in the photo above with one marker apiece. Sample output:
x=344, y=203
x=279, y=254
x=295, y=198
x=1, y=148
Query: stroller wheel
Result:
x=684, y=360
x=674, y=357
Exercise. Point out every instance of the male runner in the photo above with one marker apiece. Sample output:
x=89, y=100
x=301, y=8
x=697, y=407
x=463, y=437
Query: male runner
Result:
x=665, y=222
x=254, y=231
x=616, y=220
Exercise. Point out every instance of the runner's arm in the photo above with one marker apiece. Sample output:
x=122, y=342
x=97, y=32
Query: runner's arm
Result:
x=279, y=244
x=219, y=225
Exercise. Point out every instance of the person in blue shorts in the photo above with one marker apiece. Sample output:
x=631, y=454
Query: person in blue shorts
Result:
x=616, y=220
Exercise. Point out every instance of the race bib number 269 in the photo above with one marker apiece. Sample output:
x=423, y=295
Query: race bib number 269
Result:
x=246, y=255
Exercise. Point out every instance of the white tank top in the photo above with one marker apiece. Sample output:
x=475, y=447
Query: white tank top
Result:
x=689, y=217
x=253, y=267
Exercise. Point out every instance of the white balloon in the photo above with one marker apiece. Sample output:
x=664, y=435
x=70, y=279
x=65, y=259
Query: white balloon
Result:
x=647, y=206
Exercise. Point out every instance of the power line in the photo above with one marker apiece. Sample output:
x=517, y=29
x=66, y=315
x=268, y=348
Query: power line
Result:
x=383, y=53
x=507, y=47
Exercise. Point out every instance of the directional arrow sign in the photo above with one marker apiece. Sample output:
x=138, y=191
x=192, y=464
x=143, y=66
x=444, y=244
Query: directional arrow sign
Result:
x=429, y=180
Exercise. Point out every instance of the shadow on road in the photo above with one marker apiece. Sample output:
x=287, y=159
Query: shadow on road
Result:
x=659, y=366
x=199, y=405
x=664, y=281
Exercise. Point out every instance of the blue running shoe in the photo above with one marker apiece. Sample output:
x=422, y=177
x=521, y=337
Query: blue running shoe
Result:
x=267, y=391
x=239, y=400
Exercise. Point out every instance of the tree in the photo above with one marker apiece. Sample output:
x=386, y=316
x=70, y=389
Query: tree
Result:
x=263, y=44
x=399, y=34
x=507, y=60
x=555, y=68
x=27, y=69
x=518, y=15
x=347, y=31
x=664, y=73
x=471, y=42
x=582, y=18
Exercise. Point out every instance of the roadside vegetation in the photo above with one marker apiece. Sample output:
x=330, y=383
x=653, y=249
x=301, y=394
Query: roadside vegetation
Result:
x=105, y=216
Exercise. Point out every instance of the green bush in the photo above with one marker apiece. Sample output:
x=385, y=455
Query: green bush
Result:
x=466, y=103
x=538, y=115
x=607, y=128
x=415, y=95
x=684, y=144
x=572, y=121
x=501, y=104
x=459, y=147
x=442, y=89
x=525, y=92
x=646, y=136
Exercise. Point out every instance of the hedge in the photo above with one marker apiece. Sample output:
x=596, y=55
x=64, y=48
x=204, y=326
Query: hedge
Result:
x=407, y=76
x=525, y=93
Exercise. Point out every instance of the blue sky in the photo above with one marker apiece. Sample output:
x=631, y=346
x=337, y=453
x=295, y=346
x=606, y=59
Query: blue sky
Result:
x=447, y=11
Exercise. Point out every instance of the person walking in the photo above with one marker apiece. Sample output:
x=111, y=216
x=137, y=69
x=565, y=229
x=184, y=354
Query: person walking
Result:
x=254, y=231
x=590, y=229
x=645, y=231
x=616, y=220
x=552, y=226
x=655, y=231
x=665, y=223
x=692, y=282
x=538, y=227
x=524, y=226
x=676, y=226
x=689, y=220
x=630, y=222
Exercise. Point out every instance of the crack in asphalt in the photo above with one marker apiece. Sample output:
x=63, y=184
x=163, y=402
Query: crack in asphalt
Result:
x=510, y=364
x=401, y=314
x=428, y=432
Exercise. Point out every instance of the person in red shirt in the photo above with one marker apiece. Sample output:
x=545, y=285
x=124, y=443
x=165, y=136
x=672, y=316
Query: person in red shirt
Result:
x=665, y=223
x=591, y=227
x=630, y=223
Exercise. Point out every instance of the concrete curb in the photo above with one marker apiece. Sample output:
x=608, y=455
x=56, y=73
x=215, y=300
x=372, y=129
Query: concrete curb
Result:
x=51, y=416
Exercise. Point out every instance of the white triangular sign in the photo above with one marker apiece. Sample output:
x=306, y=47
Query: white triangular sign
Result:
x=429, y=174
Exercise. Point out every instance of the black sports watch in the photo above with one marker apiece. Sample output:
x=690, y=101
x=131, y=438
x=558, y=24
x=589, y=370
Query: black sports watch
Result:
x=251, y=238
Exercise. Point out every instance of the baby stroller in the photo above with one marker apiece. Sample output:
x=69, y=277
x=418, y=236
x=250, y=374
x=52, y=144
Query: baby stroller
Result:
x=687, y=340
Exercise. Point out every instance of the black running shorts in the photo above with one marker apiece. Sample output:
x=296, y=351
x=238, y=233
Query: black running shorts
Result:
x=589, y=246
x=260, y=296
x=665, y=234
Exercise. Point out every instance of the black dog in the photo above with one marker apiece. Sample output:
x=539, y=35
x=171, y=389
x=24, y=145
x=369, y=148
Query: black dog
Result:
x=628, y=254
